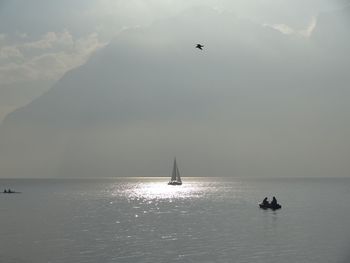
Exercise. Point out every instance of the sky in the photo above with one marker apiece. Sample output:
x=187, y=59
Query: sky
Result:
x=271, y=97
x=42, y=40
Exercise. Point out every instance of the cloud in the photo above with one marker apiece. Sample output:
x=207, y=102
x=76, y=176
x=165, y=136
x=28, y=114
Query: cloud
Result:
x=284, y=29
x=59, y=52
x=51, y=40
x=36, y=63
x=288, y=30
x=310, y=28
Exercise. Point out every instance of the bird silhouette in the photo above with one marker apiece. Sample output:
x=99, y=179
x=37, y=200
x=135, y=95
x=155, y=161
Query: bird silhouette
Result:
x=199, y=46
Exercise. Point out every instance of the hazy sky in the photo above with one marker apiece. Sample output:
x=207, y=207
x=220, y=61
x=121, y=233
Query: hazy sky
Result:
x=41, y=40
x=268, y=95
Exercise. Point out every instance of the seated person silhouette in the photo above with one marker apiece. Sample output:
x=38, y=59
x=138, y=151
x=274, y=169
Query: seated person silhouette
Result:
x=265, y=202
x=274, y=201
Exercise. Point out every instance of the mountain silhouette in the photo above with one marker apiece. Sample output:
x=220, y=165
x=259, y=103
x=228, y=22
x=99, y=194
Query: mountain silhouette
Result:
x=146, y=95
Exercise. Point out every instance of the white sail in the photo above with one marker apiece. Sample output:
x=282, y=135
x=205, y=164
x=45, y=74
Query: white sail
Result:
x=178, y=178
x=174, y=174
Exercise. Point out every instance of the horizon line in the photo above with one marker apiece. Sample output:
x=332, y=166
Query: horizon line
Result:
x=189, y=177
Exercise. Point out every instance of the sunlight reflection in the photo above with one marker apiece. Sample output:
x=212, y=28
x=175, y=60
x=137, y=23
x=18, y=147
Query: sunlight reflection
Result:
x=160, y=190
x=148, y=190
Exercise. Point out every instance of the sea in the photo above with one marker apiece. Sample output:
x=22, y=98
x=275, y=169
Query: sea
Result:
x=135, y=220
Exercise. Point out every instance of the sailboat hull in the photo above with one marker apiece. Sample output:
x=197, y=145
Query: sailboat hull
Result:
x=174, y=183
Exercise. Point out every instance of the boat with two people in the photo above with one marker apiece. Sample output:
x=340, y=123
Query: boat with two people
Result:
x=175, y=176
x=265, y=204
x=9, y=191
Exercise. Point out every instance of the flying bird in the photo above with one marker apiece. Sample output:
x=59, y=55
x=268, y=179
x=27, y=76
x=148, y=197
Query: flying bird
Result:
x=199, y=46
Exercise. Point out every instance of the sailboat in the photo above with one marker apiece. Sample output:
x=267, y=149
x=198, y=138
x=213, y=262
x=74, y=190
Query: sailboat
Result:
x=175, y=176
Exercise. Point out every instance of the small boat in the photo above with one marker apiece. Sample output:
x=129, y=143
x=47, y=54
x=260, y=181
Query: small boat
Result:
x=270, y=206
x=9, y=191
x=175, y=176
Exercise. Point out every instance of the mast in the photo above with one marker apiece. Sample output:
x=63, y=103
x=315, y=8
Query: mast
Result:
x=174, y=174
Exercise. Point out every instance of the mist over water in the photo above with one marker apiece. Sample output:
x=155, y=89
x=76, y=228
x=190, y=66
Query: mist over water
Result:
x=145, y=220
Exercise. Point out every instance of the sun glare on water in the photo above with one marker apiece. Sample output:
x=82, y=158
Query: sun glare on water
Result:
x=161, y=190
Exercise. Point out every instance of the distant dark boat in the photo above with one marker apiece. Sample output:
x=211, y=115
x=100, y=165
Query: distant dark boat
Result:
x=175, y=176
x=10, y=192
x=270, y=206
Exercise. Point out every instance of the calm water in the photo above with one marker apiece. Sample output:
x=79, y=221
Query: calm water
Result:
x=145, y=220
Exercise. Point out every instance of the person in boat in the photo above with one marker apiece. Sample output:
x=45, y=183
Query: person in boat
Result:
x=274, y=201
x=5, y=191
x=265, y=202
